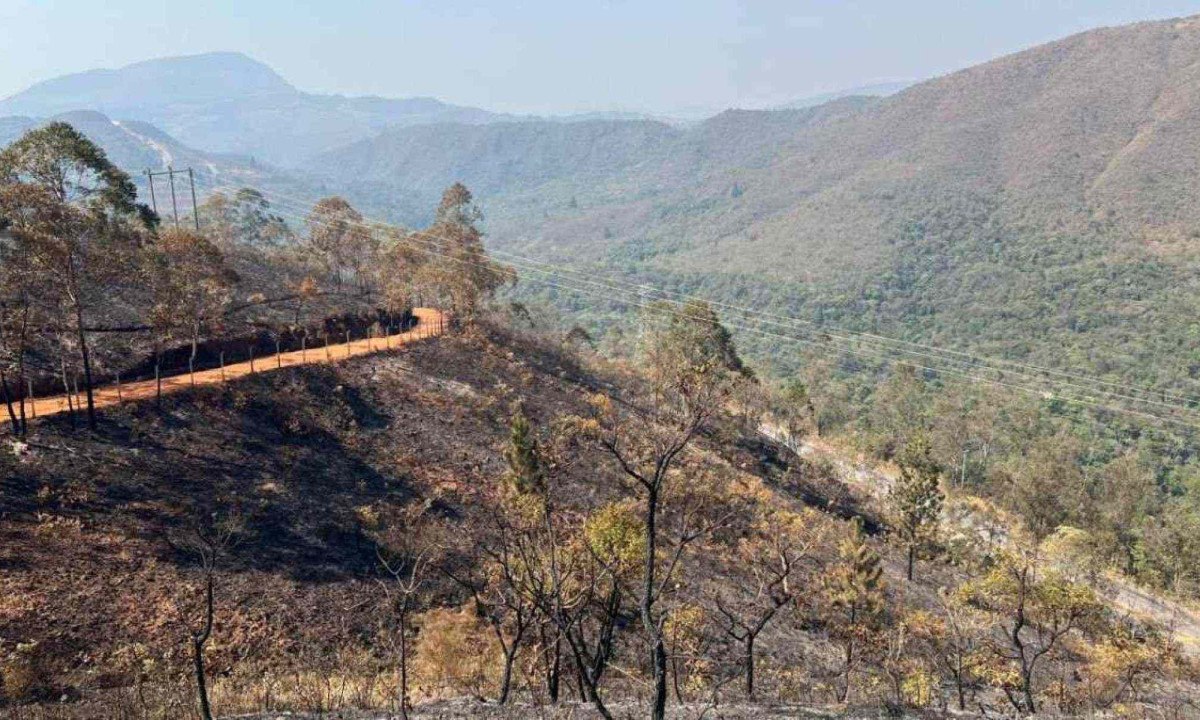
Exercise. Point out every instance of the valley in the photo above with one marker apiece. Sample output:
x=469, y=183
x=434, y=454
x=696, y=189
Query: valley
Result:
x=878, y=402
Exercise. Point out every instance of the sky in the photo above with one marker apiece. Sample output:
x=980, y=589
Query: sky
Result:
x=669, y=57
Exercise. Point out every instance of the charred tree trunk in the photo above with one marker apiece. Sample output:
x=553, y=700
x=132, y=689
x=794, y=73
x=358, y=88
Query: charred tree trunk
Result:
x=658, y=651
x=750, y=667
x=8, y=403
x=553, y=670
x=199, y=639
x=506, y=678
x=67, y=392
x=85, y=355
x=403, y=616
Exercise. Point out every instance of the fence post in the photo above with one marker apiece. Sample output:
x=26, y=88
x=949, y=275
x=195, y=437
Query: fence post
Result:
x=278, y=356
x=192, y=371
x=222, y=366
x=304, y=347
x=251, y=359
x=158, y=382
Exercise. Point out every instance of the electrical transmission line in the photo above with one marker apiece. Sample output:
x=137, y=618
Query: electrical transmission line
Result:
x=876, y=351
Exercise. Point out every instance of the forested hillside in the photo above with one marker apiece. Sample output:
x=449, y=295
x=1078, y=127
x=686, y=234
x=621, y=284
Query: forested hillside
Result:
x=1039, y=206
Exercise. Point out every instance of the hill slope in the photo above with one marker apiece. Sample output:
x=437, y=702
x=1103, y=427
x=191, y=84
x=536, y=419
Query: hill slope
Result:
x=137, y=146
x=1040, y=202
x=227, y=102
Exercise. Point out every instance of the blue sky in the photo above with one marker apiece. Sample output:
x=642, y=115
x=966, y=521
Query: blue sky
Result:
x=542, y=56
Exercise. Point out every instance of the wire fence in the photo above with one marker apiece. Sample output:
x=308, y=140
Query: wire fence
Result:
x=224, y=361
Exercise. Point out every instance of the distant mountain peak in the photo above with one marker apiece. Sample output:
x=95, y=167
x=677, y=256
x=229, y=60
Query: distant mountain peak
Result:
x=174, y=80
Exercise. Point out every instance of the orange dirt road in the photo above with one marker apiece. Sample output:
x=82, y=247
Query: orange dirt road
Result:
x=429, y=324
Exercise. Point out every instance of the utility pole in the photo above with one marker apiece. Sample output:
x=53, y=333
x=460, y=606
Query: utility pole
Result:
x=153, y=201
x=174, y=205
x=195, y=215
x=170, y=174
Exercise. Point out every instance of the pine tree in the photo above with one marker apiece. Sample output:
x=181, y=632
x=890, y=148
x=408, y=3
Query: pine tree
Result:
x=526, y=470
x=917, y=498
x=855, y=602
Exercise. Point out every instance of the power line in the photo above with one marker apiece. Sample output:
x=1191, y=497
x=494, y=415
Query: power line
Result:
x=967, y=360
x=942, y=371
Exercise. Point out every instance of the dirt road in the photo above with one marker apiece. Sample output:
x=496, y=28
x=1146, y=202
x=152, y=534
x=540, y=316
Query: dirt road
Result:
x=429, y=324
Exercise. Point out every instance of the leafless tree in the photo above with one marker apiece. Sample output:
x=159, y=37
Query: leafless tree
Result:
x=208, y=541
x=405, y=555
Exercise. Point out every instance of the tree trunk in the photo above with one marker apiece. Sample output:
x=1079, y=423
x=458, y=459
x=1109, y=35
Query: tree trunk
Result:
x=912, y=557
x=158, y=377
x=198, y=642
x=8, y=403
x=506, y=678
x=192, y=357
x=845, y=694
x=26, y=392
x=67, y=392
x=553, y=671
x=404, y=659
x=23, y=386
x=1027, y=689
x=658, y=653
x=750, y=667
x=587, y=686
x=87, y=367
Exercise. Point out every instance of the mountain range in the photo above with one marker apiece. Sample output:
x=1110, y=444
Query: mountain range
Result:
x=227, y=102
x=1040, y=206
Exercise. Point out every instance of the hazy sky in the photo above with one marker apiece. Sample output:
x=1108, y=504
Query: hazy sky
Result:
x=666, y=56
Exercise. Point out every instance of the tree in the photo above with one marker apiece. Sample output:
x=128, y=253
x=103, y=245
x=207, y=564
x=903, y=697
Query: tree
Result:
x=574, y=571
x=899, y=411
x=689, y=363
x=78, y=260
x=74, y=170
x=405, y=552
x=1046, y=485
x=340, y=240
x=1035, y=610
x=76, y=218
x=854, y=603
x=917, y=498
x=209, y=540
x=769, y=558
x=955, y=642
x=242, y=218
x=526, y=467
x=191, y=283
x=499, y=586
x=796, y=410
x=459, y=267
x=1122, y=662
x=1125, y=496
x=18, y=313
